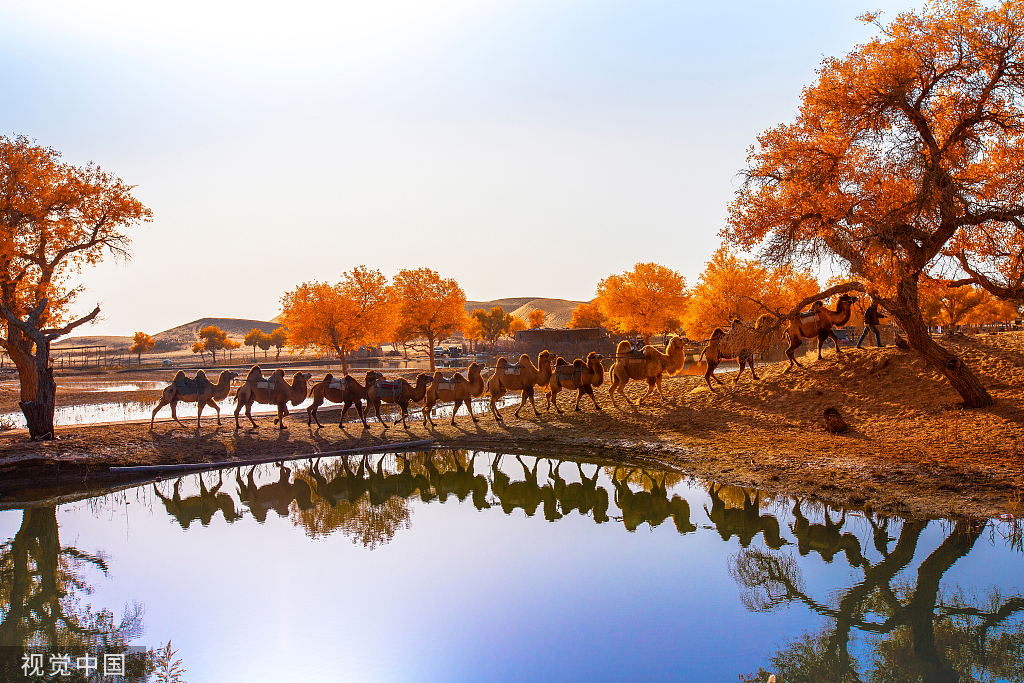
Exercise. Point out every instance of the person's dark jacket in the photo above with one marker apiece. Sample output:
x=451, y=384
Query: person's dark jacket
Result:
x=872, y=316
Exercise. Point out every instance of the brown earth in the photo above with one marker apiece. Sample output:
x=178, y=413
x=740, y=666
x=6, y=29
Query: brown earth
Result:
x=911, y=448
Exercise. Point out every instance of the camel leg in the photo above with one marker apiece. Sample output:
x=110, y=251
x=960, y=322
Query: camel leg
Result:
x=611, y=389
x=405, y=412
x=579, y=395
x=650, y=390
x=794, y=344
x=455, y=409
x=376, y=410
x=199, y=416
x=553, y=398
x=248, y=414
x=282, y=410
x=522, y=402
x=754, y=374
x=494, y=409
x=835, y=340
x=213, y=404
x=590, y=392
x=238, y=407
x=660, y=392
x=156, y=410
x=311, y=413
x=709, y=373
x=174, y=411
x=743, y=366
x=469, y=407
x=533, y=403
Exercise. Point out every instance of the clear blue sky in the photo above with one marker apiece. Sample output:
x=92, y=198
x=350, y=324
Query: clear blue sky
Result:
x=523, y=148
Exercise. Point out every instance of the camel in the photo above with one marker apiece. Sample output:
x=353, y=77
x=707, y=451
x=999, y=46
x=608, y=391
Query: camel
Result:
x=522, y=376
x=825, y=539
x=274, y=391
x=397, y=391
x=648, y=363
x=199, y=390
x=653, y=506
x=582, y=376
x=818, y=322
x=458, y=389
x=746, y=523
x=740, y=343
x=346, y=391
x=276, y=496
x=585, y=495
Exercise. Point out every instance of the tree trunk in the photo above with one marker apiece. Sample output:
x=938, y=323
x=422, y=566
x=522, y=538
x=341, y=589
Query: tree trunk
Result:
x=430, y=352
x=906, y=309
x=39, y=411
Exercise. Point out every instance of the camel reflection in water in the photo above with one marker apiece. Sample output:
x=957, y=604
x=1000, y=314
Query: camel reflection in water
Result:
x=202, y=507
x=746, y=522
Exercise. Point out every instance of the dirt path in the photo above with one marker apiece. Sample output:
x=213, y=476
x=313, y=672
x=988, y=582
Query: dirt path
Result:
x=910, y=448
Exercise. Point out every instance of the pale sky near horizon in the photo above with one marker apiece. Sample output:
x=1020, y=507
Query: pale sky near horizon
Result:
x=523, y=148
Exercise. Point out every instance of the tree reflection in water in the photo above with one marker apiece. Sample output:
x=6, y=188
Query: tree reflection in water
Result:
x=916, y=631
x=41, y=584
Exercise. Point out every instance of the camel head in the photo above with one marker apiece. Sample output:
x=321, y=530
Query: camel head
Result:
x=676, y=342
x=474, y=367
x=544, y=358
x=846, y=299
x=594, y=357
x=373, y=376
x=423, y=379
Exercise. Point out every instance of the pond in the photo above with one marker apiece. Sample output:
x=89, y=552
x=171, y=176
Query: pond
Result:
x=468, y=566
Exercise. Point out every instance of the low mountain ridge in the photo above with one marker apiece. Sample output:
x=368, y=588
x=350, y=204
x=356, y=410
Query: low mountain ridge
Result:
x=557, y=312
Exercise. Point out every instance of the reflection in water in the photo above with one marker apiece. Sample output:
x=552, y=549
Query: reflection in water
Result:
x=41, y=585
x=920, y=633
x=895, y=621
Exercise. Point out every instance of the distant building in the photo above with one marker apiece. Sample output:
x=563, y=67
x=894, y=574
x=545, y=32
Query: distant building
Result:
x=544, y=335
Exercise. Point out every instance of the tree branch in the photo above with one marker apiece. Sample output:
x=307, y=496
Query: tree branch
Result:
x=53, y=334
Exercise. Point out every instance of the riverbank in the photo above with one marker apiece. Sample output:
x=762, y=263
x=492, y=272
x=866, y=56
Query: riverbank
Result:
x=910, y=448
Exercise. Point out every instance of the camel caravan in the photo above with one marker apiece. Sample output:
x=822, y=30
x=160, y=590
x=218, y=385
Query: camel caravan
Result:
x=740, y=343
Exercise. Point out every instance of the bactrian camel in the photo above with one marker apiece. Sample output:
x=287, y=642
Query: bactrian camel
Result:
x=274, y=391
x=522, y=376
x=581, y=375
x=818, y=322
x=345, y=390
x=199, y=390
x=456, y=389
x=397, y=391
x=740, y=343
x=647, y=364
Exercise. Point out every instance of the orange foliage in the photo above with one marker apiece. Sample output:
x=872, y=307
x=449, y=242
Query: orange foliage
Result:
x=910, y=145
x=645, y=300
x=428, y=306
x=339, y=318
x=733, y=287
x=516, y=325
x=55, y=218
x=536, y=319
x=587, y=315
x=141, y=343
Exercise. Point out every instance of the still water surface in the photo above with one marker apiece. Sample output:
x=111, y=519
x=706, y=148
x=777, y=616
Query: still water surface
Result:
x=477, y=567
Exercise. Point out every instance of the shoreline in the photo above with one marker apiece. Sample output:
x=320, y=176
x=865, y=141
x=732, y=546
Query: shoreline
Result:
x=910, y=449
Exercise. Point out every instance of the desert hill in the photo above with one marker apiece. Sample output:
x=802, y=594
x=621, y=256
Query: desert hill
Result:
x=557, y=312
x=178, y=336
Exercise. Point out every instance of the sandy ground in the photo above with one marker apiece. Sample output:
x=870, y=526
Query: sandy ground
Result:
x=910, y=448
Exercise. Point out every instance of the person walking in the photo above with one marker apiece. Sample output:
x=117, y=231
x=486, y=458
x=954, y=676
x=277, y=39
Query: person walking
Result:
x=871, y=318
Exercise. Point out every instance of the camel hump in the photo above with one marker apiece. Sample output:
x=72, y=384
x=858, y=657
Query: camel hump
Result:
x=502, y=362
x=179, y=377
x=623, y=348
x=763, y=322
x=717, y=333
x=254, y=373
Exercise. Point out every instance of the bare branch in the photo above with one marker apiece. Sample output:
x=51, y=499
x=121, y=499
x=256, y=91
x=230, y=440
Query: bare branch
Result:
x=53, y=334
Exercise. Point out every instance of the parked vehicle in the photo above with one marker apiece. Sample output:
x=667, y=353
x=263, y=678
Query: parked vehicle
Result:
x=454, y=351
x=438, y=352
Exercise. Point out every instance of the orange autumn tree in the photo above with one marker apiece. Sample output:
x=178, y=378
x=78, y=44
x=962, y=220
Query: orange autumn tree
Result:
x=493, y=324
x=904, y=151
x=338, y=318
x=587, y=315
x=428, y=306
x=252, y=338
x=536, y=319
x=141, y=343
x=517, y=325
x=733, y=287
x=644, y=301
x=55, y=219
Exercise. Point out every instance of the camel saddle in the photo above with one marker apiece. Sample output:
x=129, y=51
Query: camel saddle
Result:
x=389, y=389
x=569, y=373
x=446, y=384
x=808, y=317
x=338, y=384
x=512, y=369
x=635, y=356
x=266, y=384
x=192, y=386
